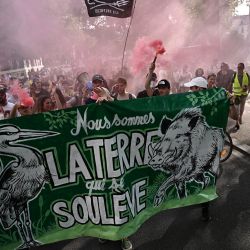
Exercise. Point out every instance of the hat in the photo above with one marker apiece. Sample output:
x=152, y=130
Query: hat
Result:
x=198, y=82
x=97, y=78
x=163, y=84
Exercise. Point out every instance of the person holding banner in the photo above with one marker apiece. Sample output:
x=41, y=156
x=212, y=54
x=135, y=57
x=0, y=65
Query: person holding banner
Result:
x=233, y=113
x=102, y=94
x=197, y=84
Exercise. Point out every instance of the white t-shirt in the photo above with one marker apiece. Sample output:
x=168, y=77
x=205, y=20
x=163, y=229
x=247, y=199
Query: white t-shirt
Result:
x=5, y=110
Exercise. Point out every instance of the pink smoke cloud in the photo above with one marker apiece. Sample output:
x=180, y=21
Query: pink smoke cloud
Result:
x=144, y=52
x=22, y=95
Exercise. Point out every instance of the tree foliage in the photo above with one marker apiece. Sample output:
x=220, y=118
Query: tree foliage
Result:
x=196, y=8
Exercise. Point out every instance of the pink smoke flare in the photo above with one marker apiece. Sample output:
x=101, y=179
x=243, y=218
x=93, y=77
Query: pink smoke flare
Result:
x=144, y=52
x=158, y=46
x=22, y=95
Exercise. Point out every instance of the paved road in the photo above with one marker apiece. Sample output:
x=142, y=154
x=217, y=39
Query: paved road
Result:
x=182, y=228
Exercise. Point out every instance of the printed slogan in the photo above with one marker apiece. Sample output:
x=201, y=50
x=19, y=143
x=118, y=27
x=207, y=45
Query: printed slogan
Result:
x=91, y=170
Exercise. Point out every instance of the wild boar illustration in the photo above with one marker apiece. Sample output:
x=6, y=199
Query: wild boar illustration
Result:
x=188, y=147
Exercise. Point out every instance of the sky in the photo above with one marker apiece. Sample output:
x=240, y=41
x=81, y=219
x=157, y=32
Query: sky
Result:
x=242, y=9
x=42, y=33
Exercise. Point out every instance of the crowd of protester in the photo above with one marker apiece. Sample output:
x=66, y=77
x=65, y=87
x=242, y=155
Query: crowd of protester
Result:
x=57, y=89
x=48, y=90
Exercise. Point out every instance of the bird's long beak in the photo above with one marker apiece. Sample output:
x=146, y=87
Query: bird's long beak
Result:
x=34, y=134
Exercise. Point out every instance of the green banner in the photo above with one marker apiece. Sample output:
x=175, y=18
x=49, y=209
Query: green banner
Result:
x=103, y=169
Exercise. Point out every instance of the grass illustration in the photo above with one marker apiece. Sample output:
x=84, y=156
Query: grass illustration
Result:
x=60, y=118
x=204, y=98
x=40, y=224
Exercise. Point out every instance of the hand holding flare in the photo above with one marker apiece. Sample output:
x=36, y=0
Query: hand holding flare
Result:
x=144, y=51
x=159, y=48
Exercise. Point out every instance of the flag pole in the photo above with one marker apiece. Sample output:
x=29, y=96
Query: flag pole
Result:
x=125, y=45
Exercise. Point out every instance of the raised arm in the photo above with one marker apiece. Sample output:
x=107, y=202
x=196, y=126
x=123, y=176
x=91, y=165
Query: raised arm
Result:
x=148, y=79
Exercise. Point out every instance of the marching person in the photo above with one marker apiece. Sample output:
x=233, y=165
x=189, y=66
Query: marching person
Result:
x=224, y=77
x=241, y=84
x=103, y=95
x=5, y=106
x=196, y=84
x=119, y=91
x=153, y=82
x=99, y=92
x=163, y=85
x=211, y=81
x=25, y=107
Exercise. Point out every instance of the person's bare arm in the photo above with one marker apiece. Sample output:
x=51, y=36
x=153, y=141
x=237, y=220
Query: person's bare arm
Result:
x=148, y=80
x=103, y=94
x=59, y=104
x=13, y=112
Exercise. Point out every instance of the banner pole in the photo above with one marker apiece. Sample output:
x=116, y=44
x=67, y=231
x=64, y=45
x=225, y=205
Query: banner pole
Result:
x=125, y=45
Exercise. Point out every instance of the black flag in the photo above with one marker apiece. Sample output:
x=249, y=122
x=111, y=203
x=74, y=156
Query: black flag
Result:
x=114, y=8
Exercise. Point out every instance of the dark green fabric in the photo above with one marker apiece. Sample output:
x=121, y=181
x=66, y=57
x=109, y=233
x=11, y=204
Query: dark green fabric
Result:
x=133, y=188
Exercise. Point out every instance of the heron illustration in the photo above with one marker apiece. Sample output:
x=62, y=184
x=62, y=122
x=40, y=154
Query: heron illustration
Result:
x=21, y=180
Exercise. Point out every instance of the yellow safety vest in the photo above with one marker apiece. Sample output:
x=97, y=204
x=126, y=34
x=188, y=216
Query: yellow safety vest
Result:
x=237, y=89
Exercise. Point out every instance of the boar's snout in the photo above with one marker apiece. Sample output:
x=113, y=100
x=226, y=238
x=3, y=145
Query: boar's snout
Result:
x=156, y=160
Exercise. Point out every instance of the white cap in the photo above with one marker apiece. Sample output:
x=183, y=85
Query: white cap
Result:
x=197, y=81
